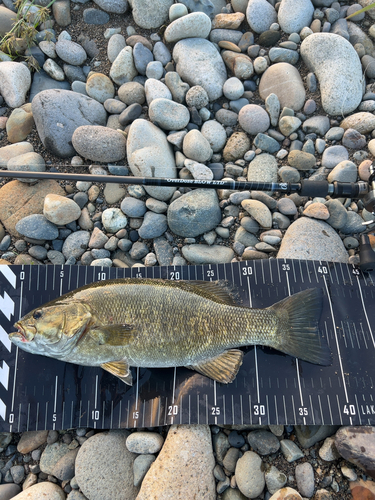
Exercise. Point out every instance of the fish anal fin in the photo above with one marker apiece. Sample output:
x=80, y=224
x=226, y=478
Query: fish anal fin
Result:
x=119, y=369
x=114, y=335
x=223, y=368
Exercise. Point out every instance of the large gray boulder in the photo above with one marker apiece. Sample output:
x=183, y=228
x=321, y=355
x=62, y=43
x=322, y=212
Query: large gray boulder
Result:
x=58, y=113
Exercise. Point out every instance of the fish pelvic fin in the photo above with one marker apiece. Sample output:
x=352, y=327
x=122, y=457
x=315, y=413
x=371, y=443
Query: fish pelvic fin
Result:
x=298, y=333
x=119, y=369
x=114, y=335
x=223, y=368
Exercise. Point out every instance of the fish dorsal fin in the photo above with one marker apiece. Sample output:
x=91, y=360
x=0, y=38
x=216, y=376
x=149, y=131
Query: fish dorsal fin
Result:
x=119, y=369
x=217, y=291
x=222, y=368
x=114, y=335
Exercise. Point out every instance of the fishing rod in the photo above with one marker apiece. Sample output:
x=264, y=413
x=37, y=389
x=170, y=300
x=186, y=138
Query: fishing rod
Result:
x=312, y=189
x=303, y=188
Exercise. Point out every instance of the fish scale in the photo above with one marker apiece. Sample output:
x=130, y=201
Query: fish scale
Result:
x=270, y=388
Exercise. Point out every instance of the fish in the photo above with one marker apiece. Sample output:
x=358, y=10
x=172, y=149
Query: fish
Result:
x=156, y=323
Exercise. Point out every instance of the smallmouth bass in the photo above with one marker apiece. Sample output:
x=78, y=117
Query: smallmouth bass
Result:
x=155, y=323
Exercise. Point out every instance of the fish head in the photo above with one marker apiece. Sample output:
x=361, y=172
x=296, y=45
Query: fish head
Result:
x=52, y=330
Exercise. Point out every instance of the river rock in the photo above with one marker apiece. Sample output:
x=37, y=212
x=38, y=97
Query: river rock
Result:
x=183, y=446
x=215, y=134
x=249, y=474
x=151, y=14
x=76, y=244
x=199, y=63
x=308, y=435
x=40, y=491
x=123, y=69
x=194, y=25
x=196, y=147
x=28, y=162
x=194, y=213
x=15, y=81
x=284, y=80
x=31, y=440
x=100, y=87
x=313, y=240
x=205, y=254
x=115, y=6
x=253, y=119
x=260, y=14
x=6, y=20
x=237, y=145
x=144, y=442
x=19, y=125
x=259, y=212
x=58, y=113
x=263, y=169
x=150, y=155
x=60, y=210
x=168, y=114
x=357, y=445
x=70, y=52
x=99, y=143
x=363, y=122
x=294, y=15
x=338, y=69
x=286, y=494
x=116, y=480
x=36, y=226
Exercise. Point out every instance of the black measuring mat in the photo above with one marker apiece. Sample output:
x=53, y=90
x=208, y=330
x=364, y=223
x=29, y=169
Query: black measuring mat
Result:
x=37, y=392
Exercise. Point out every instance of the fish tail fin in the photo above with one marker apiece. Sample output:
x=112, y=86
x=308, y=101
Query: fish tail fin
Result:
x=298, y=333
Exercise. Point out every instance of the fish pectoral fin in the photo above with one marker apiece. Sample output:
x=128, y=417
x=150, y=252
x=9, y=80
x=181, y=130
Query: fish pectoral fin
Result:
x=114, y=335
x=222, y=368
x=119, y=369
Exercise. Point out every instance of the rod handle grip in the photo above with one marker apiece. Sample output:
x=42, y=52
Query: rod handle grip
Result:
x=314, y=189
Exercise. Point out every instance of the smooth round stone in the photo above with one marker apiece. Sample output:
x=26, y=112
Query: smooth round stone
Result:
x=155, y=70
x=363, y=122
x=176, y=11
x=142, y=56
x=161, y=53
x=338, y=69
x=260, y=15
x=233, y=88
x=113, y=220
x=263, y=169
x=284, y=80
x=38, y=491
x=253, y=119
x=15, y=81
x=259, y=212
x=249, y=475
x=156, y=206
x=123, y=69
x=199, y=170
x=279, y=54
x=289, y=124
x=337, y=214
x=240, y=64
x=230, y=459
x=345, y=171
x=205, y=254
x=36, y=226
x=275, y=480
x=266, y=143
x=229, y=46
x=130, y=114
x=60, y=210
x=301, y=160
x=317, y=211
x=197, y=97
x=305, y=479
x=131, y=93
x=289, y=174
x=141, y=466
x=354, y=224
x=235, y=439
x=226, y=117
x=199, y=63
x=312, y=239
x=100, y=87
x=220, y=35
x=196, y=146
x=71, y=52
x=155, y=89
x=115, y=45
x=260, y=65
x=316, y=125
x=353, y=139
x=333, y=155
x=28, y=162
x=294, y=15
x=168, y=114
x=133, y=207
x=194, y=25
x=144, y=442
x=95, y=16
x=54, y=70
x=269, y=38
x=194, y=213
x=75, y=244
x=273, y=108
x=114, y=106
x=263, y=442
x=286, y=206
x=153, y=226
x=99, y=143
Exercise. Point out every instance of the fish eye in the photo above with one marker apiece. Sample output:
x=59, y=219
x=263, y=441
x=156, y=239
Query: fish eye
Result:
x=37, y=314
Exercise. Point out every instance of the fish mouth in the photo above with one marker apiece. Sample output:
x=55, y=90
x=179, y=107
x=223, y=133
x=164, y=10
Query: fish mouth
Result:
x=21, y=334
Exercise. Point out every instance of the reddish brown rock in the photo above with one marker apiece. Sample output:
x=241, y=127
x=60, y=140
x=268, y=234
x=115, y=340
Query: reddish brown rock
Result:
x=228, y=21
x=357, y=445
x=362, y=490
x=17, y=200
